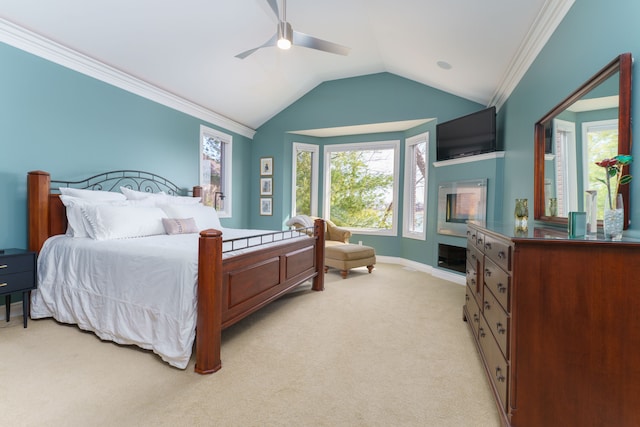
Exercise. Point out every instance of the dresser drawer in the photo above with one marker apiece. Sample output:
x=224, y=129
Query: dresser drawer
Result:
x=498, y=321
x=495, y=363
x=498, y=251
x=473, y=255
x=17, y=282
x=471, y=237
x=498, y=282
x=473, y=311
x=480, y=240
x=10, y=264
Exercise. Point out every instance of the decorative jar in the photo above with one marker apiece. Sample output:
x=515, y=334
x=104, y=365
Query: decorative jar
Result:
x=521, y=214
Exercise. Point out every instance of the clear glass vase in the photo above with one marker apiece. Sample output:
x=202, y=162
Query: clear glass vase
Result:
x=614, y=219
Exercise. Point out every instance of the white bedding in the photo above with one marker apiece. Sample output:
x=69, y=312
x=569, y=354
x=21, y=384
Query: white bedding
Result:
x=140, y=291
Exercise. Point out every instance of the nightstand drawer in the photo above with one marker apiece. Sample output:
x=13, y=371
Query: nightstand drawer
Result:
x=16, y=263
x=17, y=282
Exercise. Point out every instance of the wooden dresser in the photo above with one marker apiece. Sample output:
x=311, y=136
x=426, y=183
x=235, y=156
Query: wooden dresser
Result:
x=557, y=325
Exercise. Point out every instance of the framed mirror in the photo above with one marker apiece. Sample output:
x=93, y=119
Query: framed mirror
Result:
x=591, y=124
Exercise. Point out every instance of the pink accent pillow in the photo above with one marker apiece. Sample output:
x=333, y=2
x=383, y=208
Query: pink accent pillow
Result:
x=179, y=225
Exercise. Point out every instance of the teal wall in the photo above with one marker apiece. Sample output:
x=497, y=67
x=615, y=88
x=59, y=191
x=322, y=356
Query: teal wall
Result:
x=361, y=100
x=591, y=35
x=71, y=125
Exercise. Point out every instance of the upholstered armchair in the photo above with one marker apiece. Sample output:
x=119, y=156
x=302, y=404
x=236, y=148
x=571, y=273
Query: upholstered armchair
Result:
x=334, y=235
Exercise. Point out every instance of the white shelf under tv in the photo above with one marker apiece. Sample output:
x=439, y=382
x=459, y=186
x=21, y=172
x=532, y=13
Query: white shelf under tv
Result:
x=469, y=159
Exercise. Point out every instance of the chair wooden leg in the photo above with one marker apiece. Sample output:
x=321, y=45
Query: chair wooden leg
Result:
x=326, y=268
x=370, y=268
x=344, y=273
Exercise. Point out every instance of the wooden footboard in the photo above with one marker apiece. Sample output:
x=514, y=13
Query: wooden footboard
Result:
x=229, y=289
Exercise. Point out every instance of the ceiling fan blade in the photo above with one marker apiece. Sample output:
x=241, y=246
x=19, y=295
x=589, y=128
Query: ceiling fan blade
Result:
x=274, y=6
x=305, y=40
x=271, y=42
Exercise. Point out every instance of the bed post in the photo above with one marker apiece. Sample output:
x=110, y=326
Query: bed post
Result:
x=318, y=281
x=38, y=187
x=209, y=323
x=197, y=191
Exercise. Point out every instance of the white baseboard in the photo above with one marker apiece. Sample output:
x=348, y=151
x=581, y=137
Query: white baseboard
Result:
x=457, y=278
x=16, y=310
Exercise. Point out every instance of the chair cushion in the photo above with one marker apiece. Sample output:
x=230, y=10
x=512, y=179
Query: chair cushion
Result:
x=349, y=252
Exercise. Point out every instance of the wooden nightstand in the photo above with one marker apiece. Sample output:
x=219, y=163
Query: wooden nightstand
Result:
x=17, y=274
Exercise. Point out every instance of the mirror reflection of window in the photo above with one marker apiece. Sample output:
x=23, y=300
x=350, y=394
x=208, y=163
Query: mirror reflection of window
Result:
x=566, y=170
x=601, y=138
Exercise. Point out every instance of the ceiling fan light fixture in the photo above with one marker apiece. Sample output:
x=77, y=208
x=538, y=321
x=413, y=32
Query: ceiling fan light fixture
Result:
x=285, y=35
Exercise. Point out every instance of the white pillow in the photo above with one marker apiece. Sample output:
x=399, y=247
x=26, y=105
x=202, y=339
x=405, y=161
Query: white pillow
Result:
x=95, y=195
x=137, y=195
x=160, y=198
x=120, y=222
x=76, y=223
x=205, y=216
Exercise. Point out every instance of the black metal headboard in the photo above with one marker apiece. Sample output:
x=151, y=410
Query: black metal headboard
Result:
x=134, y=180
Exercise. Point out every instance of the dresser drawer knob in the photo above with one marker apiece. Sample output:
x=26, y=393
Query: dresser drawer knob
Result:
x=466, y=297
x=479, y=241
x=476, y=318
x=502, y=288
x=481, y=332
x=473, y=282
x=487, y=246
x=502, y=255
x=499, y=376
x=500, y=328
x=487, y=306
x=487, y=272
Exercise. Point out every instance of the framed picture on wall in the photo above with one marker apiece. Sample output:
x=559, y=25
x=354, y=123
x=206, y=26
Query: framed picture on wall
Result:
x=266, y=206
x=266, y=166
x=266, y=186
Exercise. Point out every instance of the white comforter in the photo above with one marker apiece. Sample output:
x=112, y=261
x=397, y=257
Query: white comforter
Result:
x=140, y=291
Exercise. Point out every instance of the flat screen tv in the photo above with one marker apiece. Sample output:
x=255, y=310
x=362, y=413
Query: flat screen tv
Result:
x=467, y=136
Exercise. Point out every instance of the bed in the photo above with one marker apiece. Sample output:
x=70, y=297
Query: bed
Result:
x=221, y=281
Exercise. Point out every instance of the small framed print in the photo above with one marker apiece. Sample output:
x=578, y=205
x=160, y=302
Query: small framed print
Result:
x=266, y=166
x=266, y=186
x=266, y=206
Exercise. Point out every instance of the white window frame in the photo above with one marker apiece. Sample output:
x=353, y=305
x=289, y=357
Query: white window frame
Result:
x=362, y=146
x=315, y=166
x=227, y=161
x=409, y=162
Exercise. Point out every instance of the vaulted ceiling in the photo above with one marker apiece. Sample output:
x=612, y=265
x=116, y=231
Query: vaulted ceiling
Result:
x=186, y=49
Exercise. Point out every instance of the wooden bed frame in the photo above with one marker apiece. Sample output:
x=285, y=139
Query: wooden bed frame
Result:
x=229, y=289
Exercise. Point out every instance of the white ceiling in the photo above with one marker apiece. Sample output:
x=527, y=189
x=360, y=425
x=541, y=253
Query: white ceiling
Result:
x=186, y=48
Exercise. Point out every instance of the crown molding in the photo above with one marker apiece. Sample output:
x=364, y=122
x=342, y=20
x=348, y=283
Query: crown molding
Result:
x=35, y=44
x=550, y=16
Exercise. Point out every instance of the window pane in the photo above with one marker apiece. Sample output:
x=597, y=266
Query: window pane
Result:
x=362, y=188
x=212, y=171
x=602, y=143
x=304, y=160
x=417, y=188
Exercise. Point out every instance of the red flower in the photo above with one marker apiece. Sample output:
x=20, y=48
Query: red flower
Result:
x=606, y=163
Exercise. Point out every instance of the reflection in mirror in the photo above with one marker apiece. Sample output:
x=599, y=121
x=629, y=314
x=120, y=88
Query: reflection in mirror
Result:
x=592, y=124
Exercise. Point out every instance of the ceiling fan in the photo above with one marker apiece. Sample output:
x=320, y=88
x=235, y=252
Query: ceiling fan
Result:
x=285, y=36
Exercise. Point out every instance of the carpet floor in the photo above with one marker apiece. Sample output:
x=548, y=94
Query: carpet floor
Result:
x=382, y=349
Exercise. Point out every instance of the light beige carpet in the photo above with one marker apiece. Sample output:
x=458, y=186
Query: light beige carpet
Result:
x=382, y=349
